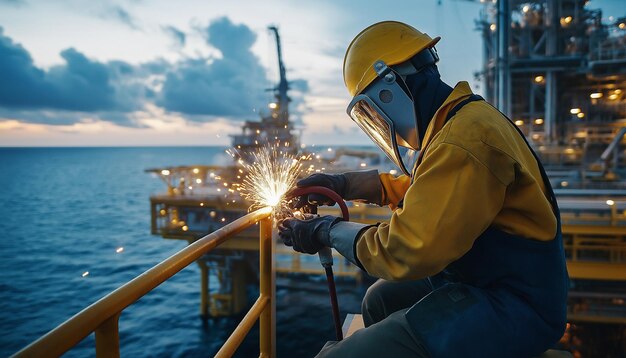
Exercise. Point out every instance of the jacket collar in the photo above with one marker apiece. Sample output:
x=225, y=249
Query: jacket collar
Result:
x=460, y=92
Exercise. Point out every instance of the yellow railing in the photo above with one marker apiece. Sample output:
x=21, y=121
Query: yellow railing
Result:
x=102, y=316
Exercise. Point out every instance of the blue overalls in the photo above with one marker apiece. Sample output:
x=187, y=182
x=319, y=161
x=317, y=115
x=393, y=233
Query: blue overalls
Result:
x=505, y=287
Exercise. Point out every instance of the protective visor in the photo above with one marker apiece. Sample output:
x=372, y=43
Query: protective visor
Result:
x=386, y=113
x=379, y=128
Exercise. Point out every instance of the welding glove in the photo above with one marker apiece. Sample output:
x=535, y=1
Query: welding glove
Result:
x=360, y=186
x=310, y=235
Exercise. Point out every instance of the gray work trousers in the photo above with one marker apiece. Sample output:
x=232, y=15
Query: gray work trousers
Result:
x=387, y=332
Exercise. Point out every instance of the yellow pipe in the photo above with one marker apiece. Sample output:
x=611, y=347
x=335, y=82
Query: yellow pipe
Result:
x=235, y=339
x=71, y=332
x=266, y=277
x=108, y=338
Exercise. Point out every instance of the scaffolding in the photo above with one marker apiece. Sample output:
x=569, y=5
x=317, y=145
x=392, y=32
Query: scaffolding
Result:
x=556, y=67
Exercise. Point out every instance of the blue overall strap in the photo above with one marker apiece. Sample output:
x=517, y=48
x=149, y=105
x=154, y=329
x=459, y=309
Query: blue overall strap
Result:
x=471, y=98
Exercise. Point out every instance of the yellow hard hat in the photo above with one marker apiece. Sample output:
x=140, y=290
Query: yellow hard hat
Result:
x=390, y=41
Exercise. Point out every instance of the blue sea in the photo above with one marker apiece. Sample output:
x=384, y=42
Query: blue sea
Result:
x=66, y=211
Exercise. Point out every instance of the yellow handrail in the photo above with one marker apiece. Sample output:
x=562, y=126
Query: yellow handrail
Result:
x=102, y=316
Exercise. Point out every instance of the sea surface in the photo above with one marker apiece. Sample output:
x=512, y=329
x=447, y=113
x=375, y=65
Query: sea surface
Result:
x=66, y=211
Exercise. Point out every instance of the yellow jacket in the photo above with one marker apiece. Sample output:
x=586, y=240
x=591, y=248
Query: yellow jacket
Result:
x=476, y=172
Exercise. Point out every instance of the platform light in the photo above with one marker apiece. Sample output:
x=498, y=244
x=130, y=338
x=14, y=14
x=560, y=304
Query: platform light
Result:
x=212, y=214
x=196, y=170
x=393, y=172
x=85, y=274
x=273, y=105
x=119, y=250
x=565, y=21
x=492, y=27
x=536, y=136
x=596, y=95
x=610, y=202
x=580, y=115
x=539, y=79
x=329, y=149
x=564, y=184
x=185, y=228
x=201, y=204
x=198, y=181
x=163, y=212
x=519, y=122
x=574, y=110
x=614, y=96
x=539, y=121
x=165, y=172
x=212, y=175
x=617, y=91
x=622, y=25
x=569, y=151
x=526, y=8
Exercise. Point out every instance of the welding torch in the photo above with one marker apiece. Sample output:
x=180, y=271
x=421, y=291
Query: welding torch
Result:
x=326, y=254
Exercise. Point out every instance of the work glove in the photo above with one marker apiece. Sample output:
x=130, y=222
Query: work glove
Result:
x=307, y=236
x=315, y=232
x=361, y=186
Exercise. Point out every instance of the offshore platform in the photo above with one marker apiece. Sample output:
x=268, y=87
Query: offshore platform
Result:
x=556, y=67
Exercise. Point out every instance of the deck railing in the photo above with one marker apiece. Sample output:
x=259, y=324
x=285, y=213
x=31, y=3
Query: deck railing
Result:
x=102, y=316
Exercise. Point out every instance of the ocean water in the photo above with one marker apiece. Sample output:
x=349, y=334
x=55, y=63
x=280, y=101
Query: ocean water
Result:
x=65, y=211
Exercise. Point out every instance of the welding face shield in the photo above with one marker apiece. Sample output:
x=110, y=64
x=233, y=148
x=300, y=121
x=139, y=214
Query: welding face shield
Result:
x=386, y=113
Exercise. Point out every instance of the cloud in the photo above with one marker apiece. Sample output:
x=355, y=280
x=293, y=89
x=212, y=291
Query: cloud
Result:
x=79, y=84
x=178, y=36
x=120, y=15
x=232, y=85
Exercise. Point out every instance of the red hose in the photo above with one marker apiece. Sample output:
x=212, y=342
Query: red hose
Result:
x=323, y=191
x=330, y=277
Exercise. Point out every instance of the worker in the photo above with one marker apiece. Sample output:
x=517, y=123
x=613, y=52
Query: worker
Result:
x=471, y=262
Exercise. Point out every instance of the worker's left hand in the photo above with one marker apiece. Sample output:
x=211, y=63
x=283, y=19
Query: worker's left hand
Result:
x=307, y=236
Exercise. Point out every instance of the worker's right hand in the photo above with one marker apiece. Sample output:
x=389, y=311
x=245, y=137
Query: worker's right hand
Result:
x=363, y=186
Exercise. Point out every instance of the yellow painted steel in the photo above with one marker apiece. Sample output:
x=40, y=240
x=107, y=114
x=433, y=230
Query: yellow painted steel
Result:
x=235, y=339
x=597, y=270
x=267, y=332
x=108, y=338
x=102, y=316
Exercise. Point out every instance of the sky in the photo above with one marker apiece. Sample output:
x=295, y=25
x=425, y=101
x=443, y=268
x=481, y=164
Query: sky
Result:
x=157, y=72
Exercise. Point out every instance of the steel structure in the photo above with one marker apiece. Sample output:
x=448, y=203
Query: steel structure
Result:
x=556, y=67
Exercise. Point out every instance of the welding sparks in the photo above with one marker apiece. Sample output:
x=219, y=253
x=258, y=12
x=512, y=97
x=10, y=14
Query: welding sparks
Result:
x=270, y=176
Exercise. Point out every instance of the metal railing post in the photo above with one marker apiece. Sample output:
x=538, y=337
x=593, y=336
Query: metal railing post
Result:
x=108, y=338
x=267, y=321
